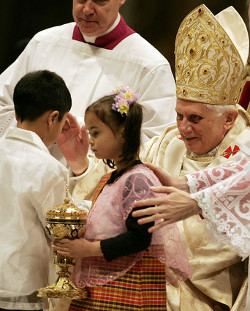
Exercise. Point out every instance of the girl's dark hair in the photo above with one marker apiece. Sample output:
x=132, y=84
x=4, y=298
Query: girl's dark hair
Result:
x=38, y=92
x=131, y=123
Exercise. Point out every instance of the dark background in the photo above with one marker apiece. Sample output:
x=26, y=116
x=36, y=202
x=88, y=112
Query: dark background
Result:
x=156, y=20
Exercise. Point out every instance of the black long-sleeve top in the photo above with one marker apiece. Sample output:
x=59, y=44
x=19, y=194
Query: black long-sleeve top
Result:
x=136, y=239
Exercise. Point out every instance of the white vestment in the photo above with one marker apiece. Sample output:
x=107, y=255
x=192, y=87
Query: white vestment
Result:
x=32, y=181
x=91, y=72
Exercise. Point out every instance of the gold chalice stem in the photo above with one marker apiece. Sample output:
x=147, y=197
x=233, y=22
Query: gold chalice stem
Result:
x=64, y=287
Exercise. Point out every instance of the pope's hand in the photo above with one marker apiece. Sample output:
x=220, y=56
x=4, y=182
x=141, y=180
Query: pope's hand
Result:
x=167, y=179
x=74, y=145
x=173, y=207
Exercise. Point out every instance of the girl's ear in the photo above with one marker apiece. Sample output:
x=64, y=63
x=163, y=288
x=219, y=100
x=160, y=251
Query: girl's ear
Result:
x=123, y=133
x=52, y=117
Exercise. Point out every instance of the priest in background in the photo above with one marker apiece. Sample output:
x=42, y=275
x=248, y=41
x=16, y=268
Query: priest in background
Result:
x=95, y=54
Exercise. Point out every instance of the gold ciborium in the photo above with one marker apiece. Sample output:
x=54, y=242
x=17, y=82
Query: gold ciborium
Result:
x=64, y=221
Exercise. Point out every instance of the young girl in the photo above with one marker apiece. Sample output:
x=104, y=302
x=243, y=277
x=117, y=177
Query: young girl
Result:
x=121, y=264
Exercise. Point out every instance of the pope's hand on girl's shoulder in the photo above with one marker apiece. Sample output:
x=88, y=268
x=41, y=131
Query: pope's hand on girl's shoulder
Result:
x=165, y=178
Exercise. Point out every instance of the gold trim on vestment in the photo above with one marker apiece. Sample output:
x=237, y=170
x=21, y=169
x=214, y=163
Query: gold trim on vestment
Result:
x=201, y=159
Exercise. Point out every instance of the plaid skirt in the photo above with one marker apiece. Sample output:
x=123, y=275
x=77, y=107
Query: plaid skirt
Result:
x=142, y=288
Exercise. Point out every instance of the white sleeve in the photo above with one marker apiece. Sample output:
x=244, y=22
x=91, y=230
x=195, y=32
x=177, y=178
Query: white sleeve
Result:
x=8, y=81
x=158, y=97
x=223, y=194
x=52, y=191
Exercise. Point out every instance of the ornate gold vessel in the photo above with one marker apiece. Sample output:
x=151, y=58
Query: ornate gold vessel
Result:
x=64, y=221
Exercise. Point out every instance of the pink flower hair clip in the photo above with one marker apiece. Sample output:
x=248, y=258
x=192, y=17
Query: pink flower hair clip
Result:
x=123, y=99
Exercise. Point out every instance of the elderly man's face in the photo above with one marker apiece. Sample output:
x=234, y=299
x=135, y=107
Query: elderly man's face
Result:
x=95, y=17
x=200, y=127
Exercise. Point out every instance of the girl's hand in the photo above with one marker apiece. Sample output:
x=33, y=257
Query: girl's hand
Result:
x=77, y=248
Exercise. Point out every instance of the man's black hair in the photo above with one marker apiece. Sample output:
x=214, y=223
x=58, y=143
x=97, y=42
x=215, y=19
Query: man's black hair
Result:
x=38, y=92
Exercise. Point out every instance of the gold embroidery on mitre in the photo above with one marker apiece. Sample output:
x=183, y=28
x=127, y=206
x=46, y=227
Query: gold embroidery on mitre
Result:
x=208, y=66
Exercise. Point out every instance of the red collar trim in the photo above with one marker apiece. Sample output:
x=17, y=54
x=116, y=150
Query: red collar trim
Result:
x=110, y=40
